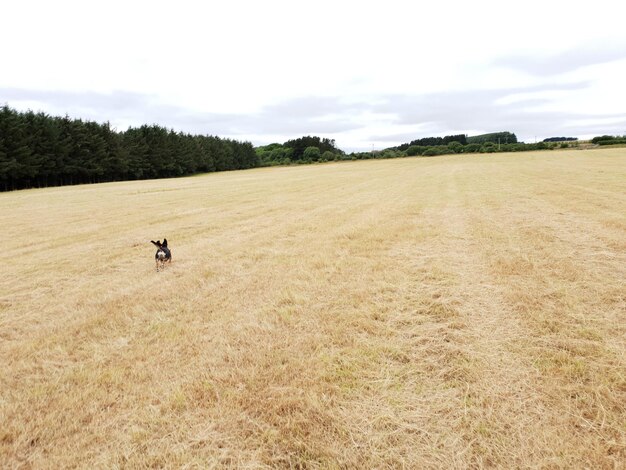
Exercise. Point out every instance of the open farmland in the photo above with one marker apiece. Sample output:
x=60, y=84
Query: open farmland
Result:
x=437, y=312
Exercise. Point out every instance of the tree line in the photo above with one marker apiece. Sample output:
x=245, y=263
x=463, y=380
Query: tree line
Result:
x=461, y=143
x=504, y=137
x=452, y=148
x=560, y=139
x=609, y=140
x=38, y=150
x=434, y=141
x=459, y=140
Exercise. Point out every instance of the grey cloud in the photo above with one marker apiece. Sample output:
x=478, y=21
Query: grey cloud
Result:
x=311, y=106
x=462, y=107
x=298, y=116
x=617, y=127
x=114, y=107
x=442, y=113
x=434, y=114
x=564, y=62
x=120, y=101
x=303, y=115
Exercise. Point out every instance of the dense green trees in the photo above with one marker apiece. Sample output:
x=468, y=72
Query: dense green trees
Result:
x=609, y=140
x=39, y=150
x=303, y=150
x=599, y=138
x=459, y=143
x=328, y=156
x=299, y=146
x=455, y=147
x=280, y=154
x=311, y=154
x=415, y=150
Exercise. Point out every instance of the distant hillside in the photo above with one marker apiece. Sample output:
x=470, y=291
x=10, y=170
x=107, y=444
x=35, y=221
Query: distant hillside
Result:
x=495, y=137
x=434, y=141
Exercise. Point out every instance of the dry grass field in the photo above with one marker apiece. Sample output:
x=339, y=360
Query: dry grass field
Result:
x=449, y=312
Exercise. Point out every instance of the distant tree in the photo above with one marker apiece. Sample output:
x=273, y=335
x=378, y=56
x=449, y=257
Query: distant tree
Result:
x=600, y=138
x=391, y=153
x=455, y=147
x=415, y=150
x=471, y=148
x=488, y=147
x=327, y=156
x=277, y=155
x=432, y=151
x=311, y=154
x=17, y=165
x=615, y=141
x=460, y=138
x=136, y=146
x=271, y=147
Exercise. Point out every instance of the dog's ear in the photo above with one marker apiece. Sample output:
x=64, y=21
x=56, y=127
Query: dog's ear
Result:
x=165, y=242
x=157, y=243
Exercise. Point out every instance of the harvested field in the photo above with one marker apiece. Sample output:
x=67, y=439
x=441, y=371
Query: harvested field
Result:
x=448, y=312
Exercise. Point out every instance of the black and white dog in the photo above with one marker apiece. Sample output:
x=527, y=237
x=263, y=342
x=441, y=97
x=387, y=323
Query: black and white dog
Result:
x=163, y=253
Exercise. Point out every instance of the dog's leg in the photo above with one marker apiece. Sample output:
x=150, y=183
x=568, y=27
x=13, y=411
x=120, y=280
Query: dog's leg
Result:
x=157, y=265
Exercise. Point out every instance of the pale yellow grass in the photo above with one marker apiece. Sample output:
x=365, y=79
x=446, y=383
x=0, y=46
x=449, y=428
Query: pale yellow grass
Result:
x=452, y=312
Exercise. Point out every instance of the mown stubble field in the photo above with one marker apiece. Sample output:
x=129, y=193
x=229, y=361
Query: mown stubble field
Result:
x=449, y=312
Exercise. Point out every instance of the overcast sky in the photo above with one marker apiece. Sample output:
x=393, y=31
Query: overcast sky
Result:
x=366, y=73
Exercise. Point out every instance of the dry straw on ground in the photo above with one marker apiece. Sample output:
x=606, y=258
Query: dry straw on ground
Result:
x=453, y=312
